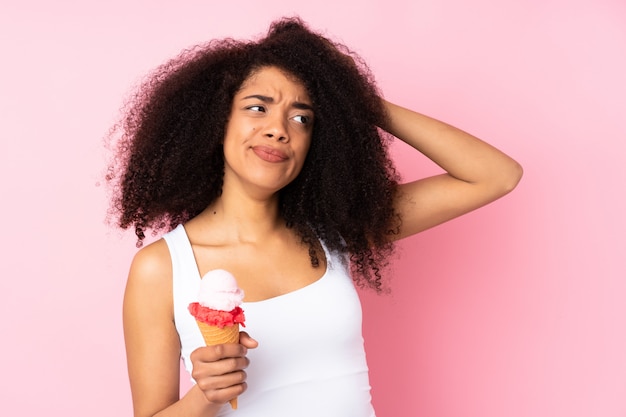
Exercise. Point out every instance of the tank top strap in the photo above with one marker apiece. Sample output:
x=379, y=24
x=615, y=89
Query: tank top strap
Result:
x=185, y=285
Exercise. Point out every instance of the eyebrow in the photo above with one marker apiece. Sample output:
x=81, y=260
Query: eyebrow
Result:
x=266, y=99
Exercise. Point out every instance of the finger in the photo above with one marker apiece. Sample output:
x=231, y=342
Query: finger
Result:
x=219, y=382
x=216, y=352
x=223, y=395
x=247, y=341
x=223, y=366
x=218, y=368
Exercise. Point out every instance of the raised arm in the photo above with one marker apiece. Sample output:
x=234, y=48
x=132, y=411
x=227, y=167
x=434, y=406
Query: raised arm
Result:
x=476, y=172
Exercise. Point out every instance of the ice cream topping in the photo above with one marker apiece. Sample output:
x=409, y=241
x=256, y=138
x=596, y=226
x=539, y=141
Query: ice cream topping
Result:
x=217, y=318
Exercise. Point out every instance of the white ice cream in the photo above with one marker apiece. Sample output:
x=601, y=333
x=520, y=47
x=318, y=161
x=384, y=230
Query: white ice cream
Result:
x=219, y=291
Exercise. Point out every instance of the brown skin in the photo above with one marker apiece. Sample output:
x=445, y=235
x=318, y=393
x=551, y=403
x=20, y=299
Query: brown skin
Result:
x=245, y=223
x=268, y=133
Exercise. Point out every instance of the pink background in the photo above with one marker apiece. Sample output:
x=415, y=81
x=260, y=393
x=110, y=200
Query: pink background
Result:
x=515, y=310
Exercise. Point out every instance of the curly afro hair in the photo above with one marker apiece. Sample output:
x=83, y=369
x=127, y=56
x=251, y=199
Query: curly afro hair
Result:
x=169, y=162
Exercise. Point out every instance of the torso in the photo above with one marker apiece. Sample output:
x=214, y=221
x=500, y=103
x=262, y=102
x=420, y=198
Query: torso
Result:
x=310, y=341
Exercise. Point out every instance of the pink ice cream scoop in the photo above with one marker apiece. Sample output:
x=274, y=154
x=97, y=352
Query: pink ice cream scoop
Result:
x=219, y=291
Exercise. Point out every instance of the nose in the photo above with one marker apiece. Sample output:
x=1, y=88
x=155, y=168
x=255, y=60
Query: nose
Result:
x=276, y=129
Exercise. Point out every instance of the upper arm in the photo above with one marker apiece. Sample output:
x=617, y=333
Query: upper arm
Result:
x=152, y=343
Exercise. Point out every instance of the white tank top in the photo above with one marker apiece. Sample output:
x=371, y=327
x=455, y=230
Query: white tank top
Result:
x=310, y=361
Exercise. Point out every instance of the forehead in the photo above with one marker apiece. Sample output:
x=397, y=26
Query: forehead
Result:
x=273, y=80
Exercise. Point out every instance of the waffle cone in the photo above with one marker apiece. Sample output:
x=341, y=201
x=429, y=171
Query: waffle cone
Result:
x=213, y=335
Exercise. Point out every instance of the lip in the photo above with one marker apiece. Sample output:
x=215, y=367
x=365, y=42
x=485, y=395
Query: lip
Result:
x=270, y=154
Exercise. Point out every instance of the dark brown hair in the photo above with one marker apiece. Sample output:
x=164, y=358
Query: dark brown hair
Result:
x=169, y=163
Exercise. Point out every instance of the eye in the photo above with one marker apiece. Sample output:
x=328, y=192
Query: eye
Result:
x=302, y=119
x=256, y=108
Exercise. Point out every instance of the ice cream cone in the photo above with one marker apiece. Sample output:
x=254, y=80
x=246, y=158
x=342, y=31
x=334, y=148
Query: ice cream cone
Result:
x=217, y=311
x=213, y=335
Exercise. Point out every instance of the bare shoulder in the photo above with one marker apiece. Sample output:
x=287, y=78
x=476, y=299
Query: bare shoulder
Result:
x=152, y=260
x=150, y=275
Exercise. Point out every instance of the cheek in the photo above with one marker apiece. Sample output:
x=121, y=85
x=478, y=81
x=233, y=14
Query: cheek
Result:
x=306, y=147
x=302, y=155
x=229, y=146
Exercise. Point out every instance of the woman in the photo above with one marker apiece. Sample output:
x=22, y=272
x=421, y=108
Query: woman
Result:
x=269, y=159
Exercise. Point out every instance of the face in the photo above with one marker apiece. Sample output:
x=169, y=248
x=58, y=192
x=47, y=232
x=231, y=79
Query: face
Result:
x=268, y=133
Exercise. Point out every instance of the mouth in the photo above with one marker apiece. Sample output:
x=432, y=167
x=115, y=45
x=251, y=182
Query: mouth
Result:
x=269, y=154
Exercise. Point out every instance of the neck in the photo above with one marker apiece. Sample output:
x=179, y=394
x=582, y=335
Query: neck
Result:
x=243, y=219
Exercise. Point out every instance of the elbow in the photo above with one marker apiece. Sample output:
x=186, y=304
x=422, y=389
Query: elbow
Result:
x=511, y=177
